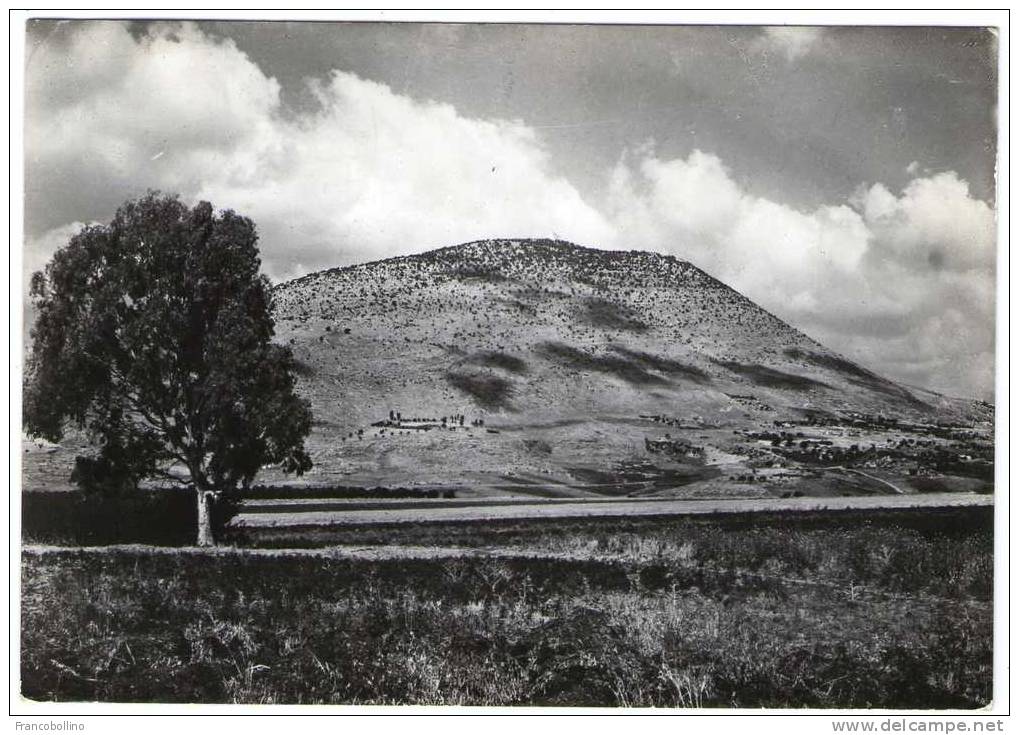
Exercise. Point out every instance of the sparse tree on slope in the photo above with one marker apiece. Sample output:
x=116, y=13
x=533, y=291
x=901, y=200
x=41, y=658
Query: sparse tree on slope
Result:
x=154, y=336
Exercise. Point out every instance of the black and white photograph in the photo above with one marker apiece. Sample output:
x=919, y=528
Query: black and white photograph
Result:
x=512, y=366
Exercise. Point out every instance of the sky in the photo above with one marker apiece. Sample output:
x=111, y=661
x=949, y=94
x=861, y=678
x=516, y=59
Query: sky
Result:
x=841, y=177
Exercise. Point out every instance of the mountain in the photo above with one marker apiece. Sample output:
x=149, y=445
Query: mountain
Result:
x=579, y=372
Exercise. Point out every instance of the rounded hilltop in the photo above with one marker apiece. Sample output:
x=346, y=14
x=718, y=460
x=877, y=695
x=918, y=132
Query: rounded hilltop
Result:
x=526, y=259
x=563, y=258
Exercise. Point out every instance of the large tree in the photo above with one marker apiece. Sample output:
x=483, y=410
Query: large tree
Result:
x=153, y=336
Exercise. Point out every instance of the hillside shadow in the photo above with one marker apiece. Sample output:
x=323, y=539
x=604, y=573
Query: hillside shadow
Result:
x=618, y=367
x=770, y=377
x=501, y=360
x=856, y=375
x=489, y=391
x=610, y=315
x=663, y=364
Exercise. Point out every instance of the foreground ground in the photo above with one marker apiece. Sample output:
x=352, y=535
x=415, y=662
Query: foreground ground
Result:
x=888, y=608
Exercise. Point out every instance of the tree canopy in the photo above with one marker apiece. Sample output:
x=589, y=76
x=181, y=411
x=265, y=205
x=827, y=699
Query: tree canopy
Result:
x=154, y=336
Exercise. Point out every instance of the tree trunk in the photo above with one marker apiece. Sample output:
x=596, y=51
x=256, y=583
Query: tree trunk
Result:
x=205, y=499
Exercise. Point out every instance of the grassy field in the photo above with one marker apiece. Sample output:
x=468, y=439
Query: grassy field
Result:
x=876, y=609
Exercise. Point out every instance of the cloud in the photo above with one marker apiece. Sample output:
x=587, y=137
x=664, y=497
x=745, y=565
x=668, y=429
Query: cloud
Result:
x=903, y=283
x=379, y=174
x=793, y=42
x=101, y=104
x=934, y=225
x=694, y=208
x=369, y=174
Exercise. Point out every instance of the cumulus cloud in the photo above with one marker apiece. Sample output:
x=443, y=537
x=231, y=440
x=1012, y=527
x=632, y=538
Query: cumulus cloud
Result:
x=379, y=174
x=369, y=174
x=793, y=42
x=934, y=225
x=101, y=105
x=694, y=208
x=903, y=282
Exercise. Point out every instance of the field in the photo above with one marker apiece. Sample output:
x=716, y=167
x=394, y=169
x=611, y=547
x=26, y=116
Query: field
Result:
x=317, y=514
x=878, y=608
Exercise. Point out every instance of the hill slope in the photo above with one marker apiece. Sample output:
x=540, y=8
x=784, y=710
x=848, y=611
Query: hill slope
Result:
x=583, y=372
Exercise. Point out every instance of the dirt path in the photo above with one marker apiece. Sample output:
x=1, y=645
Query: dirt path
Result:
x=601, y=509
x=840, y=468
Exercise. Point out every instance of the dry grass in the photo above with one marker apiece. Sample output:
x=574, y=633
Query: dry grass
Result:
x=819, y=617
